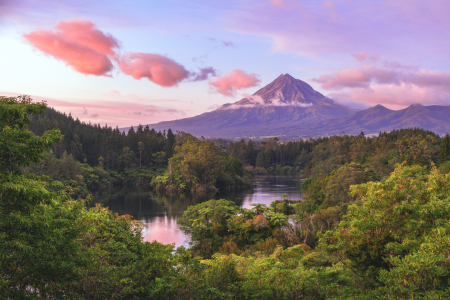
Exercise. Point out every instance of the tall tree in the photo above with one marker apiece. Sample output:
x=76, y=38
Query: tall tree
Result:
x=444, y=151
x=141, y=148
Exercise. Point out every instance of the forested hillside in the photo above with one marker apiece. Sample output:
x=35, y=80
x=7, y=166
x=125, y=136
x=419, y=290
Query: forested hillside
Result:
x=89, y=142
x=90, y=156
x=323, y=155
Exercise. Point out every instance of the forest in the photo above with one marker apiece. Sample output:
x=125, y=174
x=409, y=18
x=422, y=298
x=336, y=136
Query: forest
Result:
x=374, y=222
x=89, y=157
x=312, y=157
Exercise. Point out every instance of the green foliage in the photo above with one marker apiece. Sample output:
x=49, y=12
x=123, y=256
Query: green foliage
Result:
x=339, y=182
x=200, y=166
x=220, y=225
x=20, y=147
x=444, y=168
x=393, y=220
x=281, y=275
x=115, y=261
x=386, y=239
x=51, y=246
x=37, y=236
x=316, y=194
x=423, y=274
x=90, y=141
x=444, y=151
x=318, y=157
x=207, y=222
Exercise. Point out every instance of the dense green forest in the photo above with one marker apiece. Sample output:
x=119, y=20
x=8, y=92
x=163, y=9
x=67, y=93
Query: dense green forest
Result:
x=88, y=142
x=90, y=157
x=322, y=155
x=375, y=223
x=101, y=156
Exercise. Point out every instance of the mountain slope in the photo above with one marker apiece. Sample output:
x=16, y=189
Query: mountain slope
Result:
x=379, y=118
x=283, y=103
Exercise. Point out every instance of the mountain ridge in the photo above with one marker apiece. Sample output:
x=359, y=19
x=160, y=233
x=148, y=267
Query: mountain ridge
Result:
x=291, y=108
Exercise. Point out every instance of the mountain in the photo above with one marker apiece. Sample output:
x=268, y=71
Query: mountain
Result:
x=379, y=118
x=284, y=103
x=291, y=108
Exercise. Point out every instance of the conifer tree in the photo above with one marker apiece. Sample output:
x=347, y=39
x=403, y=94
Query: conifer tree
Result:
x=444, y=152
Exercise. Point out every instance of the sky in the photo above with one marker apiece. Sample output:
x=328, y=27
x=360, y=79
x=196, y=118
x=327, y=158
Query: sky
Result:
x=133, y=62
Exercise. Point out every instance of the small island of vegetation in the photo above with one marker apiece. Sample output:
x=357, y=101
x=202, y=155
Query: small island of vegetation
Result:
x=200, y=166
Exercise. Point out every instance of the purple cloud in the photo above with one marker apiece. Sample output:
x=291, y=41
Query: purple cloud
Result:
x=204, y=74
x=316, y=27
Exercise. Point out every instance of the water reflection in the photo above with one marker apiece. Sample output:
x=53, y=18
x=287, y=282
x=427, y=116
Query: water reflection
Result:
x=159, y=211
x=269, y=188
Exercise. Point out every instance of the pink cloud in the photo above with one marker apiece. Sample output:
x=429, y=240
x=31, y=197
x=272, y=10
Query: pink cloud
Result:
x=85, y=33
x=234, y=80
x=430, y=78
x=122, y=114
x=278, y=3
x=366, y=75
x=357, y=77
x=156, y=68
x=360, y=56
x=393, y=85
x=90, y=51
x=79, y=44
x=328, y=5
x=392, y=96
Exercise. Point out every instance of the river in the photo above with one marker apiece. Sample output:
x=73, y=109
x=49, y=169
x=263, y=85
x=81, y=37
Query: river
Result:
x=159, y=211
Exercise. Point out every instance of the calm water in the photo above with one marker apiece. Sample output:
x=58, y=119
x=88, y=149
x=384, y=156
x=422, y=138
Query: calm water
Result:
x=159, y=211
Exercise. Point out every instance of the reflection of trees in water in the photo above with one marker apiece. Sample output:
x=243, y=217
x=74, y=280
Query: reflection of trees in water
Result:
x=144, y=203
x=285, y=180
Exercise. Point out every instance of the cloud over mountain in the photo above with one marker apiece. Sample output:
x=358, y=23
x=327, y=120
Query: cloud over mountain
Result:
x=388, y=83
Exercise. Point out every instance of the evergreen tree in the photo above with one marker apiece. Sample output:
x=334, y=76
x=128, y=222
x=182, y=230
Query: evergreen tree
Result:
x=444, y=151
x=170, y=142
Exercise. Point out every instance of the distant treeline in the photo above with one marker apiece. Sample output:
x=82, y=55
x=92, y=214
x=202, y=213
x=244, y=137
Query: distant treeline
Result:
x=143, y=146
x=322, y=155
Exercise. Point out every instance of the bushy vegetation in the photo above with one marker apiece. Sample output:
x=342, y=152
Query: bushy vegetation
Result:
x=221, y=226
x=200, y=166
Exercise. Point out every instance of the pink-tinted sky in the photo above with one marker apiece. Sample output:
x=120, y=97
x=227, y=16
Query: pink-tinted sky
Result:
x=125, y=63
